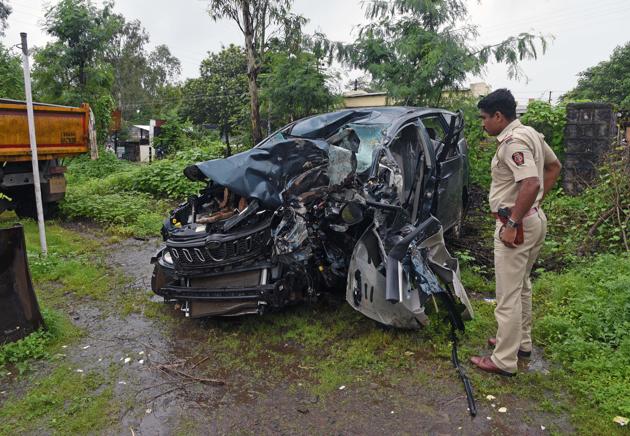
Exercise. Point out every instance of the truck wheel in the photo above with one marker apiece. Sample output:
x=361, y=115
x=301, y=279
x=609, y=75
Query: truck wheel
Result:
x=27, y=209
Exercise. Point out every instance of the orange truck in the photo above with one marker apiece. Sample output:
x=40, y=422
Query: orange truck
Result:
x=61, y=132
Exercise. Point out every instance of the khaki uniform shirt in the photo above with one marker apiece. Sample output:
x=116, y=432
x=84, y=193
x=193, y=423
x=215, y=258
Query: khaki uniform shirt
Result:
x=522, y=152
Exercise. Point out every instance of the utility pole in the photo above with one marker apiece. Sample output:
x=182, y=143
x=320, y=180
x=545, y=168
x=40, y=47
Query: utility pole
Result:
x=33, y=140
x=550, y=97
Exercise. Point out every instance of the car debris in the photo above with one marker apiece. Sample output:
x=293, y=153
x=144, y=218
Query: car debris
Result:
x=354, y=199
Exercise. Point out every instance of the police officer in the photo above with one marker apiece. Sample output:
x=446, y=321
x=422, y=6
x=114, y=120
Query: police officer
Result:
x=524, y=169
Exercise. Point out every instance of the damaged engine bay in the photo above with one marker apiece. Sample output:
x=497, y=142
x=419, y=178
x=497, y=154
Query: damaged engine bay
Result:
x=346, y=200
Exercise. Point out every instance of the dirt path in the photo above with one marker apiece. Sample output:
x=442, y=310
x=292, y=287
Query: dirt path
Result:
x=162, y=365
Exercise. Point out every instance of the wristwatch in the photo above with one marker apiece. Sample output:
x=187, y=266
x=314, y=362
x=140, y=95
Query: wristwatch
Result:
x=512, y=224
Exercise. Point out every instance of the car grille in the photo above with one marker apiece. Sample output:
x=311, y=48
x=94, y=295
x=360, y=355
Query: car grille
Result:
x=218, y=253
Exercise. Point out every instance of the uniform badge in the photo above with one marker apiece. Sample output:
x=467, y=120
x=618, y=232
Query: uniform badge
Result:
x=518, y=158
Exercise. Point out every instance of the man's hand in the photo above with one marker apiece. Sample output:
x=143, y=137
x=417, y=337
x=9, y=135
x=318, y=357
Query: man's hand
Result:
x=508, y=236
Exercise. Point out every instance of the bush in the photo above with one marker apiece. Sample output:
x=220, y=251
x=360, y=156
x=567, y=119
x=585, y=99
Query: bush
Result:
x=548, y=120
x=82, y=167
x=584, y=324
x=128, y=198
x=597, y=220
x=480, y=148
x=177, y=135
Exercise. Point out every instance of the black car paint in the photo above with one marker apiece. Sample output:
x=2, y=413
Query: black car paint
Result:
x=442, y=185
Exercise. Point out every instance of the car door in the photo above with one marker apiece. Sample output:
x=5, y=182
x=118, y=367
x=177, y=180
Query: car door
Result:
x=413, y=150
x=445, y=135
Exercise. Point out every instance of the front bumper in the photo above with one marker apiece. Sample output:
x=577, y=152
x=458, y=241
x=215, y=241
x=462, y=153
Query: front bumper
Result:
x=227, y=293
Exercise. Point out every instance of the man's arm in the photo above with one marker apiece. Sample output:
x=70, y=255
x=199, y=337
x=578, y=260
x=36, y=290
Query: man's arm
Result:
x=551, y=174
x=527, y=193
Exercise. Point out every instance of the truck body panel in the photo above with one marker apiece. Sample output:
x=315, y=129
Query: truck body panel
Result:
x=60, y=131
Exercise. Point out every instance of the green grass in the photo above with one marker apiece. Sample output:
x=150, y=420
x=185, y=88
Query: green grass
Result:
x=65, y=401
x=74, y=269
x=581, y=319
x=41, y=344
x=584, y=320
x=74, y=265
x=58, y=398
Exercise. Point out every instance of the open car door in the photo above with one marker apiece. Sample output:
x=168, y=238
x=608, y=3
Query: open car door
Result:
x=392, y=285
x=448, y=204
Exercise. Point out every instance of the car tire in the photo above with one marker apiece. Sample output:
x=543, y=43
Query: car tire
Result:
x=159, y=278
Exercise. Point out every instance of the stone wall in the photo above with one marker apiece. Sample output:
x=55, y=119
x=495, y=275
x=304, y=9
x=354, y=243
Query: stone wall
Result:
x=588, y=135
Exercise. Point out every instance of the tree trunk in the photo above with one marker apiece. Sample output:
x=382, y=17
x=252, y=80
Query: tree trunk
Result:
x=226, y=133
x=252, y=73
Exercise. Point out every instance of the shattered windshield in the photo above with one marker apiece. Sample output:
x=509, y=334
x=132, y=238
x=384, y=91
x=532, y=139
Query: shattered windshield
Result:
x=371, y=136
x=274, y=139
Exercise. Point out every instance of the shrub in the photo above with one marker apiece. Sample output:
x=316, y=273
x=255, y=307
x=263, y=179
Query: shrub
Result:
x=129, y=198
x=597, y=220
x=548, y=120
x=584, y=325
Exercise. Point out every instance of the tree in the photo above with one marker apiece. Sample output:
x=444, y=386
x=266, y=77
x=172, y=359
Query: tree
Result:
x=413, y=49
x=608, y=81
x=161, y=81
x=127, y=56
x=294, y=86
x=219, y=95
x=142, y=81
x=5, y=11
x=257, y=19
x=11, y=75
x=164, y=68
x=72, y=68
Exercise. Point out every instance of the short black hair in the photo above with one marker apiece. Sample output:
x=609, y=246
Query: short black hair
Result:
x=500, y=100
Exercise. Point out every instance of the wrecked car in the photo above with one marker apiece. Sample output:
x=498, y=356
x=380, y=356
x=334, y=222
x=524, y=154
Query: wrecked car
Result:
x=352, y=201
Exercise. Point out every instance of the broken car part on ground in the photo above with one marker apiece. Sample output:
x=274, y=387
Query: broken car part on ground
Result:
x=354, y=199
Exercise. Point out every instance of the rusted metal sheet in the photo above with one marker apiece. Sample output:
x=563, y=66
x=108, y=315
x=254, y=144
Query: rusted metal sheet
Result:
x=19, y=311
x=60, y=130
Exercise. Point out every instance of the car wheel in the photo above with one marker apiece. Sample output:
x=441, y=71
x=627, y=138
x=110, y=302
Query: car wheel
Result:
x=159, y=279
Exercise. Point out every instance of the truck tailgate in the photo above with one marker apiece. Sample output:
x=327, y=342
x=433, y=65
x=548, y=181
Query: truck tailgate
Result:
x=60, y=131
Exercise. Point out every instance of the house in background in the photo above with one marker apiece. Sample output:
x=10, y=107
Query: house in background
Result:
x=139, y=145
x=474, y=90
x=360, y=98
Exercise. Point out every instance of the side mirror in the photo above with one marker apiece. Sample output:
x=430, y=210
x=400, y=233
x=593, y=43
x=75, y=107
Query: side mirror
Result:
x=352, y=213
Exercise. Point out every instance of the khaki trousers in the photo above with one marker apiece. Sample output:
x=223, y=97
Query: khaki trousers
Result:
x=513, y=313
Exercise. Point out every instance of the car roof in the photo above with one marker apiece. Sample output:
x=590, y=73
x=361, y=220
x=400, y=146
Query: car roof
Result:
x=324, y=125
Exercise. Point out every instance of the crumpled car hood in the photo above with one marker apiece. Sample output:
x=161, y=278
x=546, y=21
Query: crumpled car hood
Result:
x=263, y=172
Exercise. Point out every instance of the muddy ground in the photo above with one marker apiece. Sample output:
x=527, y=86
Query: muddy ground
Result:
x=174, y=375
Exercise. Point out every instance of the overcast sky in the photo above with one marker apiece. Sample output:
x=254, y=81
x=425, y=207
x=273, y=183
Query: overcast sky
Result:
x=586, y=32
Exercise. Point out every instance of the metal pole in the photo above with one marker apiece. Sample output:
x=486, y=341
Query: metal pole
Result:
x=31, y=132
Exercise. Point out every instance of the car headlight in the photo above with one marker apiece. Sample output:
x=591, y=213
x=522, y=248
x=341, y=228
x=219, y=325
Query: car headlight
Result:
x=168, y=258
